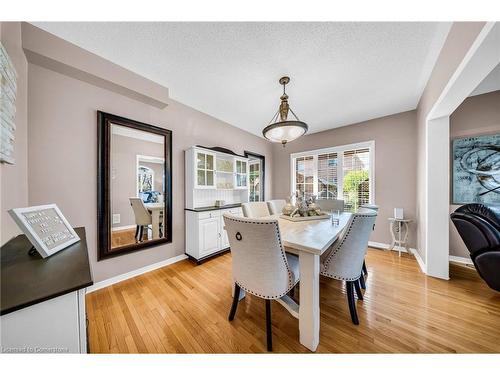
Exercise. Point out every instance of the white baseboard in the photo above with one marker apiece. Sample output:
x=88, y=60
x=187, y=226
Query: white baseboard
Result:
x=413, y=251
x=137, y=272
x=420, y=261
x=385, y=246
x=114, y=229
x=461, y=260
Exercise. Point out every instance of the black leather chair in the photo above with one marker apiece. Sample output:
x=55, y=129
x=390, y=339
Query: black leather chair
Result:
x=479, y=227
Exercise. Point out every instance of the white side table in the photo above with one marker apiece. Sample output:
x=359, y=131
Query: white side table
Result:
x=399, y=233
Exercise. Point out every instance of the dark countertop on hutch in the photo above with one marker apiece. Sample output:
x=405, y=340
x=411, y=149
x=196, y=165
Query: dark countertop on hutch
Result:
x=27, y=280
x=213, y=208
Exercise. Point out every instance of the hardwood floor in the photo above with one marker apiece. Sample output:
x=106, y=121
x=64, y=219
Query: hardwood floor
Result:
x=123, y=237
x=126, y=237
x=183, y=308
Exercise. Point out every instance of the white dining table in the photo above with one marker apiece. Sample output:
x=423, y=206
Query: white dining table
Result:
x=156, y=211
x=308, y=240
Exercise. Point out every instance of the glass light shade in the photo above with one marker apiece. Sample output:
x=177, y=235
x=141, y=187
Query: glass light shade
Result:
x=285, y=131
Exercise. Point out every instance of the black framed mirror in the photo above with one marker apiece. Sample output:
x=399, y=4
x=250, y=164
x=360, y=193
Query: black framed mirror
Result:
x=134, y=185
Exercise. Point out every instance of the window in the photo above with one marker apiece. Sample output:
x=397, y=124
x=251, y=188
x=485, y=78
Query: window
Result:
x=304, y=177
x=145, y=176
x=344, y=172
x=327, y=176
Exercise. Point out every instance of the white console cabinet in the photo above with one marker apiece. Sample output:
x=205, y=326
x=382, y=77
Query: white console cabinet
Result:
x=43, y=299
x=214, y=177
x=206, y=235
x=54, y=326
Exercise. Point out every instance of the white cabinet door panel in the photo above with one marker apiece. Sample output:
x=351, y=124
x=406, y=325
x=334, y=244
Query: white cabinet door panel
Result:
x=52, y=326
x=209, y=235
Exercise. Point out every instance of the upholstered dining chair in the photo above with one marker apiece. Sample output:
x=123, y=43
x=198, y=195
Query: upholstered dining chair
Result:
x=364, y=208
x=331, y=204
x=275, y=206
x=344, y=260
x=260, y=265
x=142, y=217
x=255, y=209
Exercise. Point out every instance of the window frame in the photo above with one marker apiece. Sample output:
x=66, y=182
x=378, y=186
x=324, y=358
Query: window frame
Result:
x=339, y=150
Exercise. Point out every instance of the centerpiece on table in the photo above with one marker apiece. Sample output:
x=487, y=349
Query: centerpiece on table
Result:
x=305, y=209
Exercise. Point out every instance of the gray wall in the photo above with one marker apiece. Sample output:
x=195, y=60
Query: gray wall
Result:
x=63, y=154
x=14, y=178
x=395, y=164
x=124, y=151
x=477, y=115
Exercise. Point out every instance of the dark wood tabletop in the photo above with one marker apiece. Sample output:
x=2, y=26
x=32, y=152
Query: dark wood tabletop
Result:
x=28, y=280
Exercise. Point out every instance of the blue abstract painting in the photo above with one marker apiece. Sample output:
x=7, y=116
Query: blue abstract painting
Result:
x=476, y=170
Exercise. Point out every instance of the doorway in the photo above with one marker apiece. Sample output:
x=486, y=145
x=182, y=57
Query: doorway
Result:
x=257, y=171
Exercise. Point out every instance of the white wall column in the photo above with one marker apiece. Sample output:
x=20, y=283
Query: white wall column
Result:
x=438, y=200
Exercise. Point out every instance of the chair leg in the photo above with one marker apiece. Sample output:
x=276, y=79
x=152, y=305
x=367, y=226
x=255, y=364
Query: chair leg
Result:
x=291, y=293
x=141, y=229
x=269, y=332
x=362, y=281
x=136, y=232
x=358, y=289
x=365, y=270
x=236, y=299
x=350, y=300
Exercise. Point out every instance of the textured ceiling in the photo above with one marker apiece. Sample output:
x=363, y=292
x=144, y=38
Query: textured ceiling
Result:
x=341, y=73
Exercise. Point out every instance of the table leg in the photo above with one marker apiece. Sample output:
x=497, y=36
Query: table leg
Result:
x=156, y=223
x=309, y=300
x=405, y=239
x=399, y=237
x=393, y=236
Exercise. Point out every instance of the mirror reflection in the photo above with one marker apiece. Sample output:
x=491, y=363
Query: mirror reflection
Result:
x=137, y=185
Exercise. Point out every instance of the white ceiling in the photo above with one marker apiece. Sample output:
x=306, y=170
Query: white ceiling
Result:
x=489, y=84
x=341, y=73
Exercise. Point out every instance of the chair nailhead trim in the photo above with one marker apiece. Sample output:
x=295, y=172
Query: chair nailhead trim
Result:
x=327, y=262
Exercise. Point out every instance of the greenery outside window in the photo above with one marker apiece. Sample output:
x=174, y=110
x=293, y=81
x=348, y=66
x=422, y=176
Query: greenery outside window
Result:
x=343, y=172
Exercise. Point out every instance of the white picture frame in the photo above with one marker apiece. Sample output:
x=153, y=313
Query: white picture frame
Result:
x=57, y=235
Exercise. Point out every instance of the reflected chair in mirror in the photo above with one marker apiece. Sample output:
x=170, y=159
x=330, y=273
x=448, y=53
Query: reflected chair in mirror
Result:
x=344, y=260
x=479, y=227
x=142, y=217
x=364, y=208
x=259, y=263
x=255, y=209
x=275, y=206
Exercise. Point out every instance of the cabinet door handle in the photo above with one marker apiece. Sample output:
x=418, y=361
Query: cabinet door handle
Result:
x=219, y=234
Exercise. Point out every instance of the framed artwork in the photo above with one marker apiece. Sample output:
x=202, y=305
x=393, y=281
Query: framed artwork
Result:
x=46, y=228
x=476, y=170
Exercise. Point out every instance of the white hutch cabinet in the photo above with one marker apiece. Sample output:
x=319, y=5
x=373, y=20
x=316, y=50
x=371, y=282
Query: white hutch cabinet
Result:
x=212, y=176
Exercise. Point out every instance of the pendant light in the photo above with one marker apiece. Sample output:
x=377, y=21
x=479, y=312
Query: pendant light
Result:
x=281, y=129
